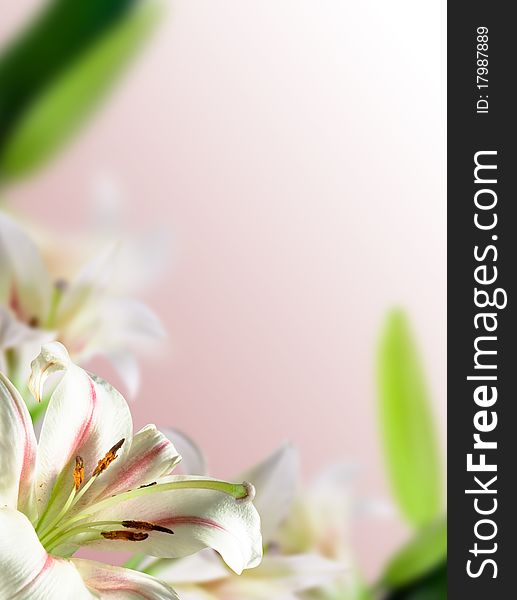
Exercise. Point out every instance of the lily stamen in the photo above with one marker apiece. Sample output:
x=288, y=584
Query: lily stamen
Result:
x=78, y=478
x=109, y=457
x=55, y=538
x=127, y=536
x=102, y=465
x=242, y=493
x=78, y=472
x=146, y=526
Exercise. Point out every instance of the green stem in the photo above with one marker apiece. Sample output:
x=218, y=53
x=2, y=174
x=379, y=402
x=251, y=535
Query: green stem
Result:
x=73, y=499
x=37, y=411
x=236, y=490
x=42, y=532
x=135, y=561
x=11, y=364
x=58, y=538
x=154, y=567
x=57, y=294
x=51, y=500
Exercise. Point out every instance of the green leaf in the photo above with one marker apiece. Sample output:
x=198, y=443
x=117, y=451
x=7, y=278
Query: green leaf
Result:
x=420, y=556
x=407, y=426
x=353, y=589
x=433, y=586
x=58, y=35
x=56, y=113
x=135, y=561
x=37, y=411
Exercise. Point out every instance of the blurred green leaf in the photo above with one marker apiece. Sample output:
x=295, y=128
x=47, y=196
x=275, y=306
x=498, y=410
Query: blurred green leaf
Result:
x=420, y=556
x=433, y=586
x=55, y=114
x=37, y=411
x=407, y=426
x=135, y=561
x=345, y=591
x=59, y=34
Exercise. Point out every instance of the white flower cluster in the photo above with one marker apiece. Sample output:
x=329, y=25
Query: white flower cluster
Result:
x=90, y=481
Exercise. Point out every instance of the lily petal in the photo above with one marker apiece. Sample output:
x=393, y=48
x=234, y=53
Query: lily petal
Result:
x=24, y=275
x=114, y=325
x=17, y=449
x=150, y=457
x=127, y=368
x=253, y=589
x=276, y=481
x=26, y=342
x=278, y=577
x=202, y=567
x=195, y=592
x=14, y=333
x=117, y=328
x=319, y=519
x=193, y=461
x=28, y=572
x=198, y=517
x=125, y=324
x=299, y=572
x=86, y=416
x=116, y=583
x=90, y=282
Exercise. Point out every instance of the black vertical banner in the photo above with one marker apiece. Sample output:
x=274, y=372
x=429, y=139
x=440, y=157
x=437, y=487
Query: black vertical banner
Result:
x=482, y=297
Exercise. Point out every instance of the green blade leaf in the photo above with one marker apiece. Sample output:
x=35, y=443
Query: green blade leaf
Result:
x=433, y=586
x=407, y=427
x=420, y=556
x=61, y=108
x=37, y=411
x=135, y=561
x=58, y=35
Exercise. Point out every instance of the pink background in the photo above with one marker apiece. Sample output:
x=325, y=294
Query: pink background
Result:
x=295, y=152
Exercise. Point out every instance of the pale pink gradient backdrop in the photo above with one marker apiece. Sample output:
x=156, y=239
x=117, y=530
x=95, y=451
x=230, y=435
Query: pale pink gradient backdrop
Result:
x=295, y=150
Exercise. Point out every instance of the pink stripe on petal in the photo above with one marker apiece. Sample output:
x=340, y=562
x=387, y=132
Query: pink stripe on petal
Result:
x=143, y=460
x=111, y=584
x=15, y=304
x=122, y=582
x=132, y=470
x=49, y=561
x=84, y=432
x=28, y=438
x=190, y=520
x=29, y=451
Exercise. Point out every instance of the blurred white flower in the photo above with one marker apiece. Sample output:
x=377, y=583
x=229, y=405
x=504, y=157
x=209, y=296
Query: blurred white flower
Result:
x=295, y=560
x=90, y=481
x=321, y=516
x=320, y=521
x=89, y=311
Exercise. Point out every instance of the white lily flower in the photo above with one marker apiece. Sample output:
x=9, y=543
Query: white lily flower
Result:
x=91, y=482
x=320, y=521
x=278, y=577
x=281, y=575
x=89, y=313
x=320, y=517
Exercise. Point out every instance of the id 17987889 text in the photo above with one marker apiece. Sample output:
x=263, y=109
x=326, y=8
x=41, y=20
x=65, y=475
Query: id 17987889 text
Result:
x=482, y=71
